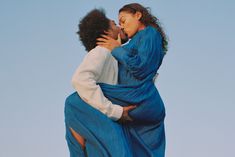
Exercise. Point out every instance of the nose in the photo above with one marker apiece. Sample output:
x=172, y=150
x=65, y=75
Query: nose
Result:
x=121, y=26
x=118, y=29
x=121, y=29
x=122, y=32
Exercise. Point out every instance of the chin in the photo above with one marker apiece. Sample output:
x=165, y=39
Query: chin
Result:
x=130, y=36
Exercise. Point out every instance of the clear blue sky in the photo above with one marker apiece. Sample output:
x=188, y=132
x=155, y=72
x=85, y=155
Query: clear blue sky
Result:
x=39, y=52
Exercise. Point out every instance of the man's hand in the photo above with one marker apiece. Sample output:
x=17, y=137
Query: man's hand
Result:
x=125, y=115
x=123, y=36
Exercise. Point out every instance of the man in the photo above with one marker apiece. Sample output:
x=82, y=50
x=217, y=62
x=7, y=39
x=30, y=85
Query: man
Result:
x=98, y=66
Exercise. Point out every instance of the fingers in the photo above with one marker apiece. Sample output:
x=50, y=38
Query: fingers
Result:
x=101, y=43
x=102, y=39
x=125, y=115
x=106, y=37
x=104, y=44
x=129, y=118
x=128, y=108
x=106, y=32
x=119, y=38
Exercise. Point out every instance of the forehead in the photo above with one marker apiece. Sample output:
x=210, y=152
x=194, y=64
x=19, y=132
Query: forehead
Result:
x=111, y=22
x=124, y=14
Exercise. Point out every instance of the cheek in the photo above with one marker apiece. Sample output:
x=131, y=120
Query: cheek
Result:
x=132, y=24
x=132, y=29
x=128, y=27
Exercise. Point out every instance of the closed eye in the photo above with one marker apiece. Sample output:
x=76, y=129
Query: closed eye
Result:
x=121, y=22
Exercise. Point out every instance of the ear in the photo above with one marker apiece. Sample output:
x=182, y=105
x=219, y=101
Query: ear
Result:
x=108, y=33
x=138, y=15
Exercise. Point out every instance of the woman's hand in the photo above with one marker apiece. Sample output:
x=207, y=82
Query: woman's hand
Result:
x=109, y=42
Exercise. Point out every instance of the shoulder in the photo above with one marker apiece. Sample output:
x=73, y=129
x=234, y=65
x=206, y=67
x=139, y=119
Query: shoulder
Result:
x=151, y=30
x=150, y=34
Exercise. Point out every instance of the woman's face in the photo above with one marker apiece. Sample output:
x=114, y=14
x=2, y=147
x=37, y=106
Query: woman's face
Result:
x=129, y=22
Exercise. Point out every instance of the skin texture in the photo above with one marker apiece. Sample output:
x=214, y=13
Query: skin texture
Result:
x=78, y=138
x=130, y=25
x=113, y=31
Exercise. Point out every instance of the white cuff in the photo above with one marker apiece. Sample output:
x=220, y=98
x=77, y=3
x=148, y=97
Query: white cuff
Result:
x=116, y=113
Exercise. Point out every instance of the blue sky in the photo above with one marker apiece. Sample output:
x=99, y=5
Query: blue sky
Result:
x=39, y=51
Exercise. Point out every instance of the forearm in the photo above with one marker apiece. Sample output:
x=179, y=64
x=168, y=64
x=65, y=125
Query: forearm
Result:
x=130, y=59
x=93, y=95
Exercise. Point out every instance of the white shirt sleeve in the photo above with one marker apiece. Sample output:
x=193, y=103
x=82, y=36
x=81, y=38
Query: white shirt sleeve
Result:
x=84, y=81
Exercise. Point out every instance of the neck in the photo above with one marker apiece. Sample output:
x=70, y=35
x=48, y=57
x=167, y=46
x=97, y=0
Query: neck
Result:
x=141, y=27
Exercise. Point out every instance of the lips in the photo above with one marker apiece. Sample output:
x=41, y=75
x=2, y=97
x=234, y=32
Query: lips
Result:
x=122, y=31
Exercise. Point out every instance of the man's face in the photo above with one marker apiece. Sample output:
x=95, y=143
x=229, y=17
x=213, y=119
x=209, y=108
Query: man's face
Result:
x=114, y=30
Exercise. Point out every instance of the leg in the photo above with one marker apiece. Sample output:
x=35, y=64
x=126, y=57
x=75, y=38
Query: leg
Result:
x=75, y=149
x=78, y=137
x=93, y=126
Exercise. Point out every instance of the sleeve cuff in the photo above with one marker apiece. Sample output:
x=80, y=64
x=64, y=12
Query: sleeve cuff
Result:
x=117, y=112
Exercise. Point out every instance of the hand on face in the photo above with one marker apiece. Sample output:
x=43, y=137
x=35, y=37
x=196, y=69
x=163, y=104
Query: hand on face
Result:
x=111, y=38
x=108, y=39
x=108, y=42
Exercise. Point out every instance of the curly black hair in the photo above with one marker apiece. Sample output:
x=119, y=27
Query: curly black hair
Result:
x=91, y=27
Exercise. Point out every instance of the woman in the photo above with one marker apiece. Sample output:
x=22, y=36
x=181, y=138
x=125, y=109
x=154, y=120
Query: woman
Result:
x=139, y=61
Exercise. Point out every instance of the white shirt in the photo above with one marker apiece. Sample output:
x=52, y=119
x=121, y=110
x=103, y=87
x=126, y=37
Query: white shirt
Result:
x=98, y=66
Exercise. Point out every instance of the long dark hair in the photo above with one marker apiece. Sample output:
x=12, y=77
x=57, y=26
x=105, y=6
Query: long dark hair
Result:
x=147, y=19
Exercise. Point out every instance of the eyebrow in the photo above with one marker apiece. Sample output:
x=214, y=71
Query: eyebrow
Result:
x=120, y=17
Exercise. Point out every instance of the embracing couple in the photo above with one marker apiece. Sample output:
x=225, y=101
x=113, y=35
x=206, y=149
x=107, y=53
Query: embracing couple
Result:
x=116, y=110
